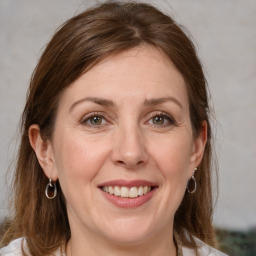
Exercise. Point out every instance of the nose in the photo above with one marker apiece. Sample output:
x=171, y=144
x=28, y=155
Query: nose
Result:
x=129, y=148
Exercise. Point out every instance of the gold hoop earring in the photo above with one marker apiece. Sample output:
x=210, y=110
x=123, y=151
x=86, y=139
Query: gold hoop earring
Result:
x=189, y=183
x=51, y=190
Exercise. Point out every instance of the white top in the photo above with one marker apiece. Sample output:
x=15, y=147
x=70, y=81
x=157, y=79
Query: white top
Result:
x=14, y=249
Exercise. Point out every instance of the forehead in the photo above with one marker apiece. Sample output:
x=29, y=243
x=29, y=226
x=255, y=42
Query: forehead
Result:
x=143, y=70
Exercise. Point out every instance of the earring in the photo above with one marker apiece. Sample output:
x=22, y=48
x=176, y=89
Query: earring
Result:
x=51, y=190
x=194, y=186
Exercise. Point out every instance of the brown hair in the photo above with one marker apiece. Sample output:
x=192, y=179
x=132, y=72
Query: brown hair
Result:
x=80, y=43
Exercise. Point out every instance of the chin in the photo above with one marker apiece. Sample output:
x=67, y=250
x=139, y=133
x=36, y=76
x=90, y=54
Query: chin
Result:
x=128, y=238
x=128, y=233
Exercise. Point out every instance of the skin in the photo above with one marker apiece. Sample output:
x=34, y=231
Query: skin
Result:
x=127, y=142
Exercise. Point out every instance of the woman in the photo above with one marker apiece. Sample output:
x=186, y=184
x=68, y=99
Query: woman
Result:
x=116, y=143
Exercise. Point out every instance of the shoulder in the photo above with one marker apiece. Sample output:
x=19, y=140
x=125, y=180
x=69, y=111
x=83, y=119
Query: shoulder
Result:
x=203, y=250
x=15, y=247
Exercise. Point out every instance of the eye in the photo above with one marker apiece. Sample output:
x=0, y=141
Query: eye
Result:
x=94, y=120
x=161, y=119
x=158, y=120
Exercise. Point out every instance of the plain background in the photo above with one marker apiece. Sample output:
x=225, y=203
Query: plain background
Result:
x=224, y=33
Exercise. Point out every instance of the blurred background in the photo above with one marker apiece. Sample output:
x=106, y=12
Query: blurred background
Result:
x=224, y=32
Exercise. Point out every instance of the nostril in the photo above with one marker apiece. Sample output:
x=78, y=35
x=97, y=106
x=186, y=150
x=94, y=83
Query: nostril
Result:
x=130, y=164
x=140, y=163
x=120, y=162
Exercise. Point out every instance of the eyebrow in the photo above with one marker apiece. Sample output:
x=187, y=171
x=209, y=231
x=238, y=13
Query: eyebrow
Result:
x=109, y=103
x=99, y=101
x=157, y=101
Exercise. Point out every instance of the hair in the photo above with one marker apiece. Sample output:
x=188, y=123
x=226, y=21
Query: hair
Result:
x=82, y=42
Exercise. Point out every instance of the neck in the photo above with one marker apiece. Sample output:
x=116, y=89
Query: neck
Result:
x=157, y=246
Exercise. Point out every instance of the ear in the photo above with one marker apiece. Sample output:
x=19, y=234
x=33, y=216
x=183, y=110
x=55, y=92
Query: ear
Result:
x=44, y=152
x=198, y=147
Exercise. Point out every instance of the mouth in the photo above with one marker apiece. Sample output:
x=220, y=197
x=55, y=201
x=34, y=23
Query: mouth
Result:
x=127, y=192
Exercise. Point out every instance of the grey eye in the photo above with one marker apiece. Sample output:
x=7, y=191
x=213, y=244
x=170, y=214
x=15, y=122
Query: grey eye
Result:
x=96, y=120
x=158, y=120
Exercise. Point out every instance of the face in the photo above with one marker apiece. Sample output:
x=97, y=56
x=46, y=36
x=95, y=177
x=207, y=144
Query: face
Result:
x=123, y=147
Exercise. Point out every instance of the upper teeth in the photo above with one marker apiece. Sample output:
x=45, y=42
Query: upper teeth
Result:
x=127, y=191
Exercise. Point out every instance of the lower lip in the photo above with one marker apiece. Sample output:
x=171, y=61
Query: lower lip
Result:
x=124, y=202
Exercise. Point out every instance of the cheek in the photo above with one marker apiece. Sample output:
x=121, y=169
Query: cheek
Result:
x=172, y=155
x=78, y=160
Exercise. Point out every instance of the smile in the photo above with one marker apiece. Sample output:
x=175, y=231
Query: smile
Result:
x=127, y=192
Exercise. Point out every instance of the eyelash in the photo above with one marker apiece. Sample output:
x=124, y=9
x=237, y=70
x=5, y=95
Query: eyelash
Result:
x=88, y=118
x=170, y=120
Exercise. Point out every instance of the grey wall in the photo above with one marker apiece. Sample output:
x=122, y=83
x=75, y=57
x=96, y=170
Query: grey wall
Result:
x=225, y=35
